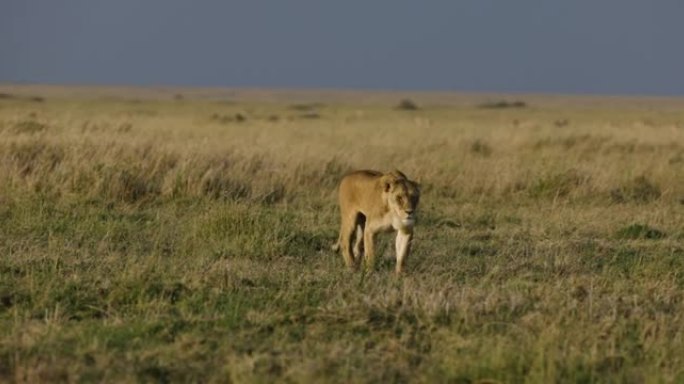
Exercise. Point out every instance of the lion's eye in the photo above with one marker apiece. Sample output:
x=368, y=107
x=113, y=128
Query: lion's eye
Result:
x=399, y=200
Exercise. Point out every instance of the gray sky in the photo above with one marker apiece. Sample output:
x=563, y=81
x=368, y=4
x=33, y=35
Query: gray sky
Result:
x=559, y=46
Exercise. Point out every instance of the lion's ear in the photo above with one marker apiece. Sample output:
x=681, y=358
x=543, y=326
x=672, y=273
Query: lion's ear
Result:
x=398, y=174
x=386, y=181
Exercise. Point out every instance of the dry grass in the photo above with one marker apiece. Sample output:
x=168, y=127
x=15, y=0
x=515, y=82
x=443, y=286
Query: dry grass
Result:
x=151, y=237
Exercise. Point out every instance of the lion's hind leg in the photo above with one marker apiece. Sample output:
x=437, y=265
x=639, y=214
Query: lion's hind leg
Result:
x=336, y=247
x=358, y=239
x=347, y=229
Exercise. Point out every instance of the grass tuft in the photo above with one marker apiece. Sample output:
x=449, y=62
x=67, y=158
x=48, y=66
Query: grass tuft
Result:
x=640, y=231
x=640, y=190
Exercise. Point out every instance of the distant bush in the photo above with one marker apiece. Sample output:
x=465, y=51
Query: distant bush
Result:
x=310, y=115
x=407, y=105
x=308, y=111
x=503, y=104
x=8, y=96
x=235, y=118
x=306, y=107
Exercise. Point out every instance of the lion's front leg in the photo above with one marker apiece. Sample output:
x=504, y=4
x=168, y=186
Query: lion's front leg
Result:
x=403, y=247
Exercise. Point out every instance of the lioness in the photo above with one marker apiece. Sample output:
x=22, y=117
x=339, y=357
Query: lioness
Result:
x=373, y=202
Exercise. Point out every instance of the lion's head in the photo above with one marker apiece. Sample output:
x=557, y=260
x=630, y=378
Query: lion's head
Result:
x=402, y=196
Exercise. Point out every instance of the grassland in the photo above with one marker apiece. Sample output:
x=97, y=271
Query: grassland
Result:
x=183, y=236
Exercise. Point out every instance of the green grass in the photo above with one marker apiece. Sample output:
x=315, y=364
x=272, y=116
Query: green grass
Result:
x=147, y=241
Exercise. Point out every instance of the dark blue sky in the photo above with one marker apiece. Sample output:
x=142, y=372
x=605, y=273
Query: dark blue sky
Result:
x=558, y=46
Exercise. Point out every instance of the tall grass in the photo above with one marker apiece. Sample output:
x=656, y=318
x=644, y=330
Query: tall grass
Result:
x=148, y=240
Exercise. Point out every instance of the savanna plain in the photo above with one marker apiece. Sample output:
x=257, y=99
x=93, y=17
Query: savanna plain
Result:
x=183, y=235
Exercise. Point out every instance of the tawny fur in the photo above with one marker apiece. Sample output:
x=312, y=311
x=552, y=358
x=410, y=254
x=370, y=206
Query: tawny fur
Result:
x=372, y=202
